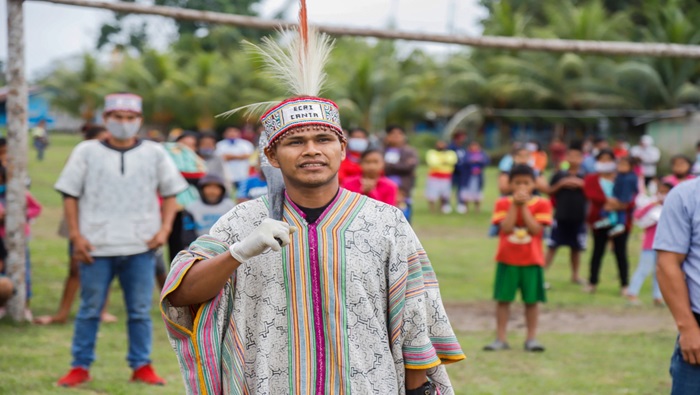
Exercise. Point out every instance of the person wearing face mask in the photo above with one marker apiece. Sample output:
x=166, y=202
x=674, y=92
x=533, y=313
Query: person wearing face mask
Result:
x=358, y=142
x=599, y=144
x=647, y=217
x=648, y=155
x=110, y=194
x=598, y=188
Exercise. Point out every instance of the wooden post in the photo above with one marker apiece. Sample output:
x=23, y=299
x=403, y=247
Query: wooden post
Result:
x=15, y=217
x=495, y=42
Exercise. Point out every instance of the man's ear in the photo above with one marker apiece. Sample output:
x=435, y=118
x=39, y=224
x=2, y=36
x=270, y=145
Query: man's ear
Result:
x=343, y=148
x=272, y=157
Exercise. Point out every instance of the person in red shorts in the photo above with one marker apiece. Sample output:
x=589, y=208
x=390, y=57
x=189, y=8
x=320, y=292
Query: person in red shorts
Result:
x=522, y=218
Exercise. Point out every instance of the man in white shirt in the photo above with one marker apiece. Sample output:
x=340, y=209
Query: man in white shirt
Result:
x=648, y=155
x=115, y=223
x=236, y=152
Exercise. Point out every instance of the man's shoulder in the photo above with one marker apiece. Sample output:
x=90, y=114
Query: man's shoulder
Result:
x=687, y=191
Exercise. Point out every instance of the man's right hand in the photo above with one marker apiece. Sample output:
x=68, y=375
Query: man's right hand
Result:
x=264, y=237
x=689, y=342
x=82, y=249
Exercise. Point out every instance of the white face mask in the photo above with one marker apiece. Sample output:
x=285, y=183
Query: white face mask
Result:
x=358, y=145
x=123, y=130
x=605, y=167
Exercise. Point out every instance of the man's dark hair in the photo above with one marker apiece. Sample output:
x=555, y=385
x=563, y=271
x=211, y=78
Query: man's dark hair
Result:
x=603, y=152
x=90, y=132
x=361, y=130
x=370, y=152
x=521, y=170
x=576, y=145
x=599, y=139
x=206, y=135
x=390, y=128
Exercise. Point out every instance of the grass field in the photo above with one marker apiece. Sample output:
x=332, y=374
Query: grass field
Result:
x=593, y=362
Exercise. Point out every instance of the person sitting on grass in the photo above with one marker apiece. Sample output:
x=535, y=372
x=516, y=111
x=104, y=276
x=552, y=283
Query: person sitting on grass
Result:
x=522, y=218
x=624, y=189
x=372, y=182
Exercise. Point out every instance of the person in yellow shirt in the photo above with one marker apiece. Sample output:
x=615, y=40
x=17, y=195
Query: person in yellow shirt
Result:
x=441, y=165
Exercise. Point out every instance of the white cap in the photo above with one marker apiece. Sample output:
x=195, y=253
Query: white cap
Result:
x=123, y=102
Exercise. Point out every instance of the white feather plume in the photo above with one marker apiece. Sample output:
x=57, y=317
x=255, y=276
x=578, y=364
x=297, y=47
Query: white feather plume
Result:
x=298, y=67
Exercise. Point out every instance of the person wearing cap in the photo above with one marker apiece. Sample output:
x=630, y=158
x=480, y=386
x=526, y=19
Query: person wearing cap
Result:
x=336, y=296
x=677, y=244
x=649, y=157
x=110, y=194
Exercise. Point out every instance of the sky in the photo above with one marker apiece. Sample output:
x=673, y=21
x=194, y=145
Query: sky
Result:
x=57, y=32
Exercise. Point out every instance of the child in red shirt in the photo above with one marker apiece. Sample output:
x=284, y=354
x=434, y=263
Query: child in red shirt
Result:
x=522, y=218
x=372, y=182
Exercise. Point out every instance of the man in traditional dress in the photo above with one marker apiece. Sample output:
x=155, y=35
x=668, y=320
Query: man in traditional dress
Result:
x=332, y=293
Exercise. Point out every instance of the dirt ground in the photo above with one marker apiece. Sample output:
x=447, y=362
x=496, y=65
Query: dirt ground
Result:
x=479, y=316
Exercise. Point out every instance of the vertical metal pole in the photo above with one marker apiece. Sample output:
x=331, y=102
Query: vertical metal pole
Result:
x=15, y=217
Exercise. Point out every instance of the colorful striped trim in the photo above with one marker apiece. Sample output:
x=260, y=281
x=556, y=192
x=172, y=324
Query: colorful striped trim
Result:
x=314, y=278
x=420, y=357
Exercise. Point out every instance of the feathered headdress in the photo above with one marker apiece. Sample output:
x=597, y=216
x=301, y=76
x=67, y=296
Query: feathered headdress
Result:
x=300, y=67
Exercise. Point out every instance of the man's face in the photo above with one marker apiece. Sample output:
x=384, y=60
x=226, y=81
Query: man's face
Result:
x=372, y=165
x=522, y=183
x=207, y=144
x=574, y=157
x=189, y=141
x=395, y=138
x=309, y=157
x=212, y=193
x=232, y=133
x=122, y=116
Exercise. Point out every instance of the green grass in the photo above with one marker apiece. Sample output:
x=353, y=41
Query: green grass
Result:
x=609, y=363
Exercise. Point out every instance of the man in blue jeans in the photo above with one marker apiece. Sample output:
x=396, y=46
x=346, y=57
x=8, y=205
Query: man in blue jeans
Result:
x=115, y=223
x=677, y=243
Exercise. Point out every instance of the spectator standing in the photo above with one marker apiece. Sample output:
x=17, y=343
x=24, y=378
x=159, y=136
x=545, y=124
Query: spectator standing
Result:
x=594, y=188
x=401, y=162
x=459, y=177
x=557, y=150
x=522, y=218
x=539, y=156
x=646, y=216
x=3, y=152
x=40, y=139
x=192, y=168
x=681, y=169
x=648, y=155
x=624, y=189
x=569, y=201
x=372, y=182
x=253, y=187
x=677, y=243
x=599, y=144
x=696, y=167
x=111, y=206
x=475, y=163
x=358, y=142
x=441, y=164
x=72, y=284
x=206, y=149
x=236, y=152
x=520, y=156
x=621, y=149
x=202, y=214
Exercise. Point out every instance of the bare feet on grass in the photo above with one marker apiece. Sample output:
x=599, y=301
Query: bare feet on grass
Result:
x=60, y=320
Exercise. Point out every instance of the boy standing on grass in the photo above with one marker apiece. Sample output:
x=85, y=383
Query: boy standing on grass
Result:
x=522, y=218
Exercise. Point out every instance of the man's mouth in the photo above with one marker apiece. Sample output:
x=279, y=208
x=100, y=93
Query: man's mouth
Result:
x=312, y=165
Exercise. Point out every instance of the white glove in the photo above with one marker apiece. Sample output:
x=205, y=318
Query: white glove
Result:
x=264, y=237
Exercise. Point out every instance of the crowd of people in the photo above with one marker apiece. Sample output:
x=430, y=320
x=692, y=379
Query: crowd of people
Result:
x=158, y=192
